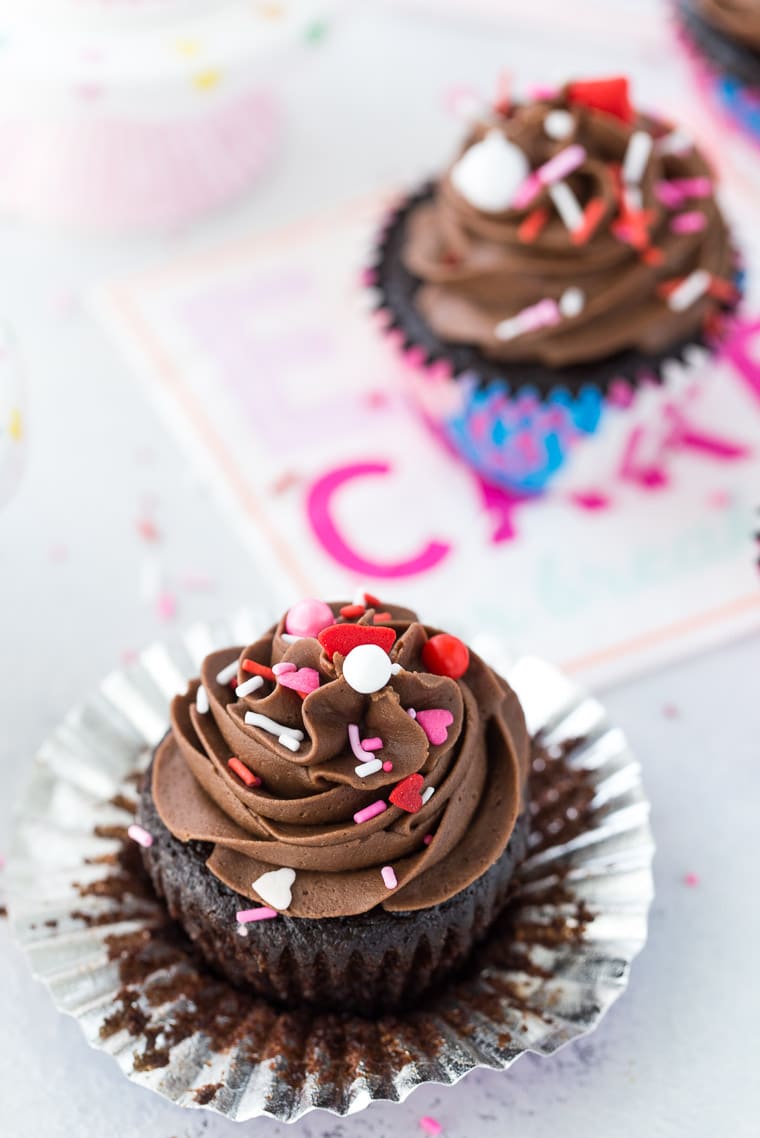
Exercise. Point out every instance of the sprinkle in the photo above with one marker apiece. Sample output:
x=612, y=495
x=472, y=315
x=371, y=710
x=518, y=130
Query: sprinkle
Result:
x=592, y=215
x=530, y=319
x=637, y=156
x=430, y=1125
x=373, y=744
x=249, y=686
x=561, y=165
x=389, y=877
x=147, y=529
x=380, y=617
x=691, y=879
x=503, y=100
x=567, y=206
x=675, y=192
x=139, y=835
x=308, y=618
x=689, y=290
x=427, y=839
x=241, y=770
x=261, y=669
x=369, y=812
x=692, y=222
x=387, y=766
x=302, y=680
x=201, y=700
x=572, y=302
x=411, y=713
x=255, y=719
x=356, y=745
x=350, y=612
x=530, y=228
x=677, y=142
x=282, y=667
x=263, y=913
x=227, y=674
x=166, y=605
x=559, y=124
x=289, y=742
x=723, y=290
x=427, y=794
x=395, y=669
x=372, y=766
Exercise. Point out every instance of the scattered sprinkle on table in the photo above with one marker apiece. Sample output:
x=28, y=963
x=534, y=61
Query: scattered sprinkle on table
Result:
x=691, y=880
x=140, y=835
x=430, y=1125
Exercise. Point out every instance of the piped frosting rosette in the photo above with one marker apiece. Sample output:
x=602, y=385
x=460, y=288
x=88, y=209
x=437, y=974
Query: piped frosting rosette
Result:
x=571, y=249
x=722, y=38
x=363, y=760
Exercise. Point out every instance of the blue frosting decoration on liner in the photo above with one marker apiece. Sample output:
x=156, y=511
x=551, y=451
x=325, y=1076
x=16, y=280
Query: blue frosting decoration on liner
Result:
x=520, y=439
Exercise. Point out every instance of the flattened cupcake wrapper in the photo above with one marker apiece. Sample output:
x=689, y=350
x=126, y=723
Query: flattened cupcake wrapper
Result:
x=519, y=437
x=111, y=957
x=736, y=102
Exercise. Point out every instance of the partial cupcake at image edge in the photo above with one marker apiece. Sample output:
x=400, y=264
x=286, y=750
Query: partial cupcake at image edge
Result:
x=723, y=42
x=338, y=808
x=572, y=255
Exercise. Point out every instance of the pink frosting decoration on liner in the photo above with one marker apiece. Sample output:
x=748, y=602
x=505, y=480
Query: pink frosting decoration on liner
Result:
x=140, y=835
x=289, y=737
x=389, y=876
x=249, y=686
x=552, y=171
x=283, y=666
x=370, y=812
x=692, y=222
x=228, y=674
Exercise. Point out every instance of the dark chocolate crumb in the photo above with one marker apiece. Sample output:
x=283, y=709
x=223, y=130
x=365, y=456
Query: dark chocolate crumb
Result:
x=204, y=1094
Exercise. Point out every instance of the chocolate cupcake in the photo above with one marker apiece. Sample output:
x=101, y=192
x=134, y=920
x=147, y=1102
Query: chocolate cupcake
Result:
x=337, y=809
x=723, y=37
x=572, y=248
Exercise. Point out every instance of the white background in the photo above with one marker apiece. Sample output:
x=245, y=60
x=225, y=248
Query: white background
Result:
x=677, y=1055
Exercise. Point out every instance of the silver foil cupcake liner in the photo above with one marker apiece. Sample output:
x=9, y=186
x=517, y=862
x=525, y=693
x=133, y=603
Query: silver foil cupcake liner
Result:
x=109, y=955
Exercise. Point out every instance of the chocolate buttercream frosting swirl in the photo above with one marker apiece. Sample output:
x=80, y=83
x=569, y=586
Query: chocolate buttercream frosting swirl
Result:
x=563, y=230
x=739, y=19
x=471, y=750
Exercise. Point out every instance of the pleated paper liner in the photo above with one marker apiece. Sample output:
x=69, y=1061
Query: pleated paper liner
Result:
x=522, y=427
x=95, y=933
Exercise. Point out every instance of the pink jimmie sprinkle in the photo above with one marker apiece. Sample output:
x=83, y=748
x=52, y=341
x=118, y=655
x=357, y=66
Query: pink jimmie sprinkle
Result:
x=692, y=222
x=245, y=916
x=283, y=667
x=430, y=1125
x=691, y=879
x=389, y=877
x=166, y=606
x=373, y=744
x=371, y=811
x=139, y=835
x=427, y=839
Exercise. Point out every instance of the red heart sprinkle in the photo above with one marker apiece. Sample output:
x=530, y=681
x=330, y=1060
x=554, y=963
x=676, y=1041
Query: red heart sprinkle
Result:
x=350, y=612
x=343, y=637
x=372, y=601
x=407, y=794
x=608, y=95
x=446, y=655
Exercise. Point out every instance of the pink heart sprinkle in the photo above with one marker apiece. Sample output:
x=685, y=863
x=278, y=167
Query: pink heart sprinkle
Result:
x=304, y=680
x=435, y=722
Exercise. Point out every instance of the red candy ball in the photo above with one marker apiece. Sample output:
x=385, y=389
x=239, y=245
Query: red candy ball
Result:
x=446, y=655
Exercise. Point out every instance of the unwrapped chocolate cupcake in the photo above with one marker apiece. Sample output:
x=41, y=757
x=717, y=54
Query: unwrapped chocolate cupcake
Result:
x=723, y=38
x=337, y=809
x=573, y=247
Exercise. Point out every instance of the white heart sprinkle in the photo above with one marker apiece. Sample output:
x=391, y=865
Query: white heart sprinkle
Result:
x=490, y=172
x=274, y=888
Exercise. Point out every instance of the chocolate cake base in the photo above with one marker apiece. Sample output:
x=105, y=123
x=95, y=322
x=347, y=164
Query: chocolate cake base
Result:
x=397, y=287
x=369, y=964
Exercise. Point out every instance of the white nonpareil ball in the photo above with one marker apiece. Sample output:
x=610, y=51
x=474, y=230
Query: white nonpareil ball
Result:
x=367, y=668
x=489, y=174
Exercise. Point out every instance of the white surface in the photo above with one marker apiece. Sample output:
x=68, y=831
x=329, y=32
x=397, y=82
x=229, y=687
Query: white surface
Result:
x=675, y=1056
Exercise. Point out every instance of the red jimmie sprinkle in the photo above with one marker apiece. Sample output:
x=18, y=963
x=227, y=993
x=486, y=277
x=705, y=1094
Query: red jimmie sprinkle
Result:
x=446, y=655
x=343, y=637
x=723, y=290
x=241, y=770
x=350, y=612
x=379, y=617
x=529, y=229
x=257, y=669
x=407, y=794
x=608, y=95
x=592, y=215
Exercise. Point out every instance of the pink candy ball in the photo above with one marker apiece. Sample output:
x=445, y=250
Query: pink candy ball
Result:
x=308, y=618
